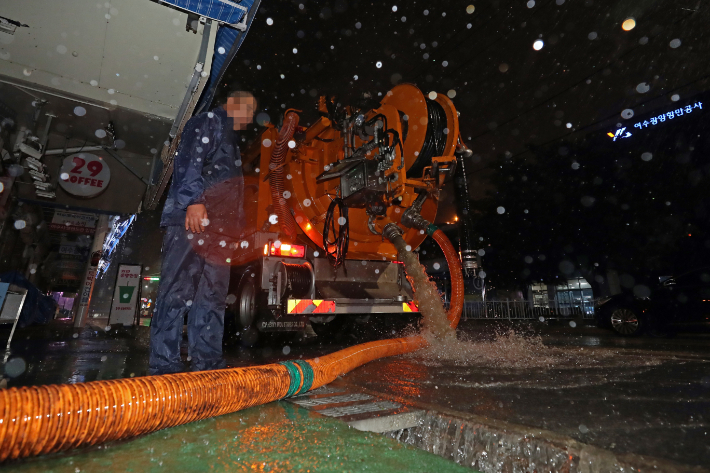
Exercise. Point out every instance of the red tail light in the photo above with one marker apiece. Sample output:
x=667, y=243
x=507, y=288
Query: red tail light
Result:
x=293, y=251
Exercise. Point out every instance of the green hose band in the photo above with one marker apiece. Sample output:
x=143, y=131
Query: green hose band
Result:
x=307, y=375
x=295, y=375
x=431, y=228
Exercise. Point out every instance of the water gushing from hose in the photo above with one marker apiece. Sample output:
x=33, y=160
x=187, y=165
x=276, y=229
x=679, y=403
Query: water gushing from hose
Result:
x=426, y=295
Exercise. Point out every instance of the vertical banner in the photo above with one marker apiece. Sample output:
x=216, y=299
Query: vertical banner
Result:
x=125, y=295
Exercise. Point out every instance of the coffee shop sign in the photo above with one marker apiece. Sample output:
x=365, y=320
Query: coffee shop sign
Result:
x=84, y=175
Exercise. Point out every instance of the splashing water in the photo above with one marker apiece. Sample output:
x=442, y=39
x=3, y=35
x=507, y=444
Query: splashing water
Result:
x=426, y=296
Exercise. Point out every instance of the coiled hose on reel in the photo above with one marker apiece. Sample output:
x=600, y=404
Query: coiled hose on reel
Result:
x=45, y=419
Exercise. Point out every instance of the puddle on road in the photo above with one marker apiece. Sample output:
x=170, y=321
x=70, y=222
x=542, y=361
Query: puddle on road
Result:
x=513, y=350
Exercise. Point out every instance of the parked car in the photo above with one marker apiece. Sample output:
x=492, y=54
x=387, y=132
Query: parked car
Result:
x=676, y=303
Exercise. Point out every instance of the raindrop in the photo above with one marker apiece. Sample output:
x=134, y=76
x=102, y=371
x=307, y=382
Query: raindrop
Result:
x=231, y=299
x=27, y=72
x=482, y=274
x=528, y=259
x=481, y=252
x=394, y=8
x=188, y=303
x=200, y=241
x=295, y=50
x=342, y=221
x=583, y=428
x=76, y=335
x=94, y=82
x=358, y=25
x=273, y=219
x=470, y=9
x=269, y=21
x=244, y=244
x=408, y=248
x=646, y=156
x=15, y=367
x=221, y=50
x=307, y=203
x=156, y=58
x=205, y=140
x=286, y=194
x=20, y=224
x=572, y=323
x=61, y=49
x=404, y=19
x=190, y=236
x=100, y=133
x=541, y=319
x=316, y=253
x=503, y=67
x=437, y=266
x=378, y=64
x=426, y=12
x=377, y=271
x=575, y=166
x=277, y=244
x=205, y=222
x=643, y=40
x=569, y=125
x=628, y=24
x=445, y=63
x=432, y=95
x=355, y=77
x=592, y=35
x=79, y=111
x=286, y=350
x=266, y=143
x=675, y=43
x=675, y=97
x=153, y=150
x=104, y=358
x=538, y=44
x=587, y=200
x=642, y=88
x=111, y=91
x=291, y=144
x=531, y=3
x=500, y=210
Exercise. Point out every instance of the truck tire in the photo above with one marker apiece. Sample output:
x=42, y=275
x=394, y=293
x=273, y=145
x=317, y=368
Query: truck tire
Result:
x=243, y=308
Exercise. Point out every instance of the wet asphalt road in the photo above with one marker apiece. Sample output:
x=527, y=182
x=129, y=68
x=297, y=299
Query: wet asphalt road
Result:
x=647, y=396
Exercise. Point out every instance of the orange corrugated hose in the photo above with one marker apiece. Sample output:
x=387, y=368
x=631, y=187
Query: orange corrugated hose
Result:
x=276, y=174
x=452, y=260
x=44, y=419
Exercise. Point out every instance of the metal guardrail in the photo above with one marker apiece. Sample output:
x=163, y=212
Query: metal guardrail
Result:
x=523, y=310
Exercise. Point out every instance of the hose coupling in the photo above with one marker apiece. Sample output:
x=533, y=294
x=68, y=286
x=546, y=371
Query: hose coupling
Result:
x=413, y=219
x=392, y=232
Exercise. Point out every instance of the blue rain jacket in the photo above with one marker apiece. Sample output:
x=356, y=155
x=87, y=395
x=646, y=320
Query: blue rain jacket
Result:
x=207, y=170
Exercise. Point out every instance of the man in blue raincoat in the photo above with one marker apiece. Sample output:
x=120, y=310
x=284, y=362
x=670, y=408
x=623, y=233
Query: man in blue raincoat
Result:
x=204, y=218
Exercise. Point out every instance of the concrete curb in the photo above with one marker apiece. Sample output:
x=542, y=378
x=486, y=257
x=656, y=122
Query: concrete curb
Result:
x=496, y=446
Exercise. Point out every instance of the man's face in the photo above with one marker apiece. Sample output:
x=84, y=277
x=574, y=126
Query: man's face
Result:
x=241, y=110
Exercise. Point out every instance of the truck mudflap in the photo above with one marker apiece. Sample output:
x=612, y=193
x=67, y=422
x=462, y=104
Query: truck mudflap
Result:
x=323, y=307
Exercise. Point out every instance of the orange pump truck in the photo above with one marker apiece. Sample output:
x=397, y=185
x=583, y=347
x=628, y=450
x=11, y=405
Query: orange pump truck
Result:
x=323, y=205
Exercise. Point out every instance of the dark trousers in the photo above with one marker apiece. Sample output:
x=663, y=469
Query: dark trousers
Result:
x=192, y=283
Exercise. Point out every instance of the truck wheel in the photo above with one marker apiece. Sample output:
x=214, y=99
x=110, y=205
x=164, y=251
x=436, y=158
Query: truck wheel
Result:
x=247, y=301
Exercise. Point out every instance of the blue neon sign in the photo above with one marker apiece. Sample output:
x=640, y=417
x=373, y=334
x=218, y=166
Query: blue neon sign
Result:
x=622, y=132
